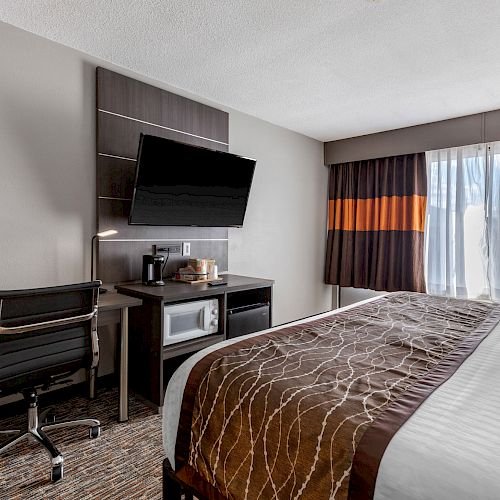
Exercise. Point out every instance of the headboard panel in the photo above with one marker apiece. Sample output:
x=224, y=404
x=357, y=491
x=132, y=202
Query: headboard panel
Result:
x=125, y=109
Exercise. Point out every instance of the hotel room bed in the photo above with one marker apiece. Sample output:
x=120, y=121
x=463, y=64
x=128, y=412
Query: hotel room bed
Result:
x=394, y=398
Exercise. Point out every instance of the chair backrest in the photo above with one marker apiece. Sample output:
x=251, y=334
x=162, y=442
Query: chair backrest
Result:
x=46, y=332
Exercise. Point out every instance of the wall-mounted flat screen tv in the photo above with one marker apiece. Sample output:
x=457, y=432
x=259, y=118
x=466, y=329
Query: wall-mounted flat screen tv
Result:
x=177, y=184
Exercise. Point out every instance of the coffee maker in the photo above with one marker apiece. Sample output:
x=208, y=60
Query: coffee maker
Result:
x=152, y=270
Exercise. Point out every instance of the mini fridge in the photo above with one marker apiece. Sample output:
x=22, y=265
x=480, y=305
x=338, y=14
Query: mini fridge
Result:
x=247, y=319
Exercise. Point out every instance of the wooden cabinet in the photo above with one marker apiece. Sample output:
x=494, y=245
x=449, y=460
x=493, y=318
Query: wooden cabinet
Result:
x=151, y=364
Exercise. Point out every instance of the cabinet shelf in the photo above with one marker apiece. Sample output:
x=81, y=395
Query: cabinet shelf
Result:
x=191, y=346
x=151, y=363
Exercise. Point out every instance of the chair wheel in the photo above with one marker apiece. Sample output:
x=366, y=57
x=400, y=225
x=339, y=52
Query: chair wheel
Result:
x=57, y=473
x=94, y=432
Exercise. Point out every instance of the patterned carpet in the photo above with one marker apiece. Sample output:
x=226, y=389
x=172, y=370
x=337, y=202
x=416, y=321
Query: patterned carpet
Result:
x=124, y=462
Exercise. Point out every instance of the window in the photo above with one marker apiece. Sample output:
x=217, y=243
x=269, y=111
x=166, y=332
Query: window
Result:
x=462, y=237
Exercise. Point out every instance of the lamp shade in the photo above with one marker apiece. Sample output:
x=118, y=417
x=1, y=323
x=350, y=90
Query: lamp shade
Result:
x=105, y=234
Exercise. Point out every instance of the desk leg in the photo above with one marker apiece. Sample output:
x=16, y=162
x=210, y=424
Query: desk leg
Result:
x=123, y=410
x=92, y=374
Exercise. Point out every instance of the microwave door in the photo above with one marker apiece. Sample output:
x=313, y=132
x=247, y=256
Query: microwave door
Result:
x=183, y=324
x=189, y=320
x=205, y=319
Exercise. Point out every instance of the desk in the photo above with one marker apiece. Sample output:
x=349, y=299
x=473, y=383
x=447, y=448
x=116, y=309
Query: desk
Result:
x=153, y=362
x=112, y=301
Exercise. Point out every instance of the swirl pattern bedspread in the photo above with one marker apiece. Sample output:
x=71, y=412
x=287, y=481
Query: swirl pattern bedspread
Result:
x=307, y=411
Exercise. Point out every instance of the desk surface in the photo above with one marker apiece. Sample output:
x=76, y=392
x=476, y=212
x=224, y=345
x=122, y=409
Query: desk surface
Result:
x=171, y=291
x=112, y=300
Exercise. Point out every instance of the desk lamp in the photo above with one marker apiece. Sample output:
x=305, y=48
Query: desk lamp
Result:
x=102, y=234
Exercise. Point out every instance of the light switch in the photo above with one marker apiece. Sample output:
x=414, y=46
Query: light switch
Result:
x=186, y=248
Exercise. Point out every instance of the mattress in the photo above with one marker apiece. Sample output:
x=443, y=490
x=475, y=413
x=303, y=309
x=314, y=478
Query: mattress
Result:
x=449, y=448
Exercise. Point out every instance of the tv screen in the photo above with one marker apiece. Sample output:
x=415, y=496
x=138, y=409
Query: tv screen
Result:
x=177, y=184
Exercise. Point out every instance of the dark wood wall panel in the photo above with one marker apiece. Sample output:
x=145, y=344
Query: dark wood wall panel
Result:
x=127, y=258
x=125, y=96
x=123, y=107
x=116, y=177
x=120, y=136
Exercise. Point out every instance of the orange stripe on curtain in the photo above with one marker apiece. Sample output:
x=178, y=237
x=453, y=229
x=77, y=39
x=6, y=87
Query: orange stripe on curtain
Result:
x=376, y=223
x=387, y=213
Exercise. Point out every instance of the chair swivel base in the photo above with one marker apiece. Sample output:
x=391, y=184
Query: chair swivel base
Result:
x=37, y=432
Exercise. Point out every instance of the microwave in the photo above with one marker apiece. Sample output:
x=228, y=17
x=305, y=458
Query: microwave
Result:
x=190, y=320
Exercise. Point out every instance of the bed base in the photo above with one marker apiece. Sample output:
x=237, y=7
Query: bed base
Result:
x=173, y=487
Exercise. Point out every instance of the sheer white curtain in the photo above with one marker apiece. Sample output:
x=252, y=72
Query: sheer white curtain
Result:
x=462, y=237
x=493, y=221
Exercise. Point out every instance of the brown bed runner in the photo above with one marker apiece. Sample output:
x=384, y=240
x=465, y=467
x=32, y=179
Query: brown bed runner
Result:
x=283, y=414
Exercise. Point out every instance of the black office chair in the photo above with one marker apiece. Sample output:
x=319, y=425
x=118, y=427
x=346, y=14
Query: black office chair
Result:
x=47, y=334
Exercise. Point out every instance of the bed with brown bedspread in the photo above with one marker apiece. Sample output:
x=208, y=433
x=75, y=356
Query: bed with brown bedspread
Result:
x=307, y=411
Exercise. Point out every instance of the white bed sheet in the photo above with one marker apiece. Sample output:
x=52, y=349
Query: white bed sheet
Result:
x=448, y=449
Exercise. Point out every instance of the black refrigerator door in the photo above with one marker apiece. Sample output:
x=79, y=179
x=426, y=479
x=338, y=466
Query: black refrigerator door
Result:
x=248, y=319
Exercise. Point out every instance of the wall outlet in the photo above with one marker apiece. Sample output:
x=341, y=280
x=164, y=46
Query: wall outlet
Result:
x=186, y=248
x=169, y=249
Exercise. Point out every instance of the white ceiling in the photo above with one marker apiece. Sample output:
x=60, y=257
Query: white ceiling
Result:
x=328, y=69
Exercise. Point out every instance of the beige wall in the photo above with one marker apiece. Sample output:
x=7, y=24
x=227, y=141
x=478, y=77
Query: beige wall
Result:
x=47, y=193
x=283, y=237
x=350, y=295
x=472, y=129
x=46, y=162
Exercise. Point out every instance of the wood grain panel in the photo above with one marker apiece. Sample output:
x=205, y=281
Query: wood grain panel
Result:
x=116, y=177
x=146, y=342
x=122, y=260
x=120, y=137
x=126, y=96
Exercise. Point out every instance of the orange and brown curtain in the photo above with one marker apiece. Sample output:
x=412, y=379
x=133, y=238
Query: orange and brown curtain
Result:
x=376, y=223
